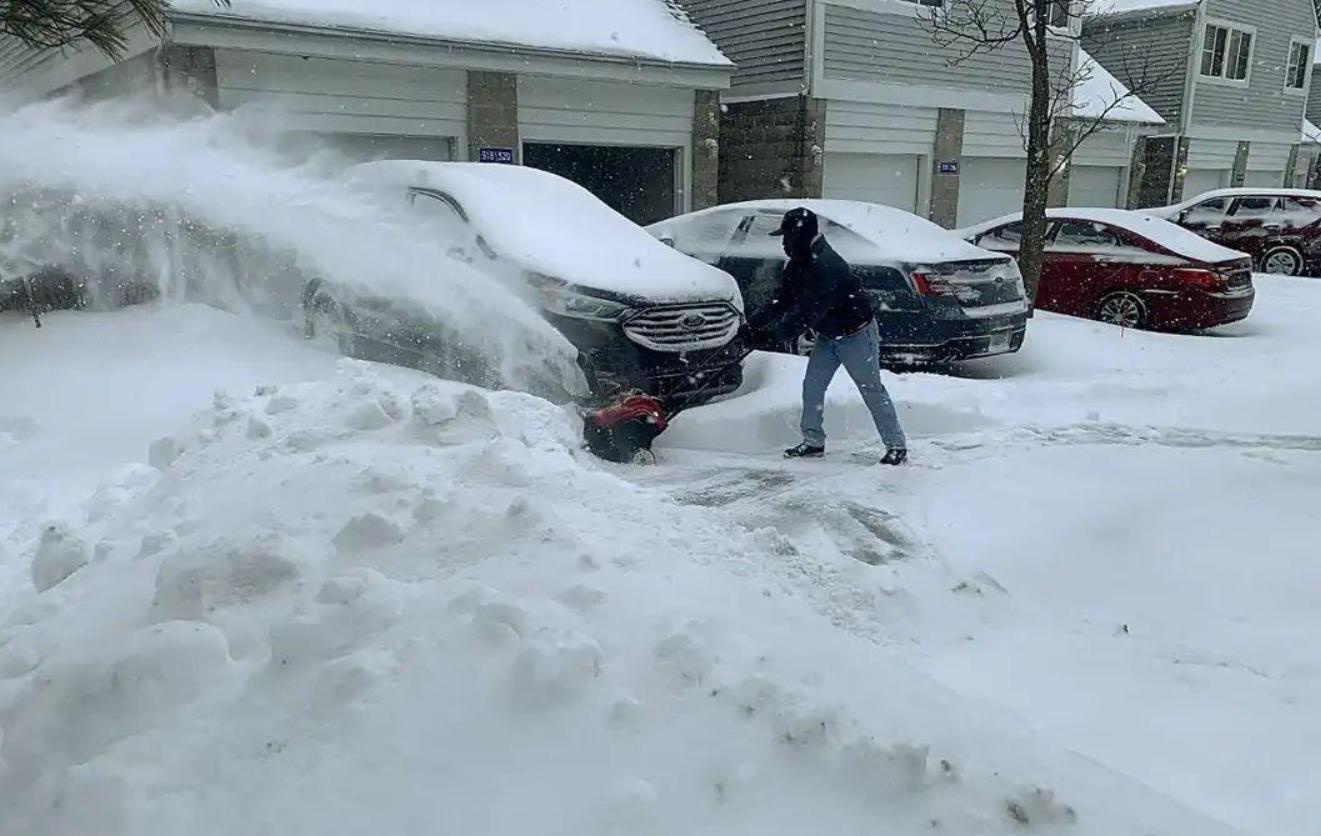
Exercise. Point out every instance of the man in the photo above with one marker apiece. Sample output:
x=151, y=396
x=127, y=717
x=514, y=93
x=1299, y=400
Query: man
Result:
x=820, y=292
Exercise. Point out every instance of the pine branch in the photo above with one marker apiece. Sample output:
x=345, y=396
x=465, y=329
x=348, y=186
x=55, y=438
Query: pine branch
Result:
x=105, y=24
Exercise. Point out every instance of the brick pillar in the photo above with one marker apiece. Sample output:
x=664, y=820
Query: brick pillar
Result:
x=772, y=148
x=493, y=113
x=1158, y=176
x=189, y=69
x=947, y=152
x=706, y=150
x=1061, y=141
x=1137, y=171
x=1180, y=169
x=1240, y=170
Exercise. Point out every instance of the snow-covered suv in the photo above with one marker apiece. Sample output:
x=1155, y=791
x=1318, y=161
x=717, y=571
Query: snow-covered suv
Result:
x=642, y=315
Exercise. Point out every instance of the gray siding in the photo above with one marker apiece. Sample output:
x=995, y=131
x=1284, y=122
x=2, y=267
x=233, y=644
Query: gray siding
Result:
x=896, y=48
x=1149, y=55
x=1314, y=99
x=1263, y=105
x=16, y=60
x=766, y=39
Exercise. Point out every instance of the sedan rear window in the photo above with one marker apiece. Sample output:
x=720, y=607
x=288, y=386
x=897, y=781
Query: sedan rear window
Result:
x=1005, y=237
x=1085, y=234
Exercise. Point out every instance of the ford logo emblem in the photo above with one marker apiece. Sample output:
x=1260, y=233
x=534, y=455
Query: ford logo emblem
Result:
x=693, y=320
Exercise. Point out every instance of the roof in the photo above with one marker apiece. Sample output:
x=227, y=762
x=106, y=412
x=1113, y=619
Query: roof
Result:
x=1172, y=237
x=1108, y=8
x=895, y=234
x=1311, y=133
x=1101, y=94
x=655, y=30
x=1247, y=191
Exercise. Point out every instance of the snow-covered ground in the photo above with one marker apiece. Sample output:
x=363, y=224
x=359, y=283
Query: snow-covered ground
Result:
x=330, y=597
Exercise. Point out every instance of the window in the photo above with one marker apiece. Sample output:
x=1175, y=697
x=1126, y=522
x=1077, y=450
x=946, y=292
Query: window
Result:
x=1302, y=211
x=1005, y=238
x=1226, y=53
x=1300, y=58
x=1085, y=235
x=1255, y=208
x=1207, y=212
x=1058, y=12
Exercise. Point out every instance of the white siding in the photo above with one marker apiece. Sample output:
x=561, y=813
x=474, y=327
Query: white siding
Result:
x=1211, y=153
x=988, y=134
x=350, y=97
x=1202, y=180
x=888, y=179
x=1264, y=179
x=1269, y=156
x=857, y=127
x=604, y=113
x=1106, y=148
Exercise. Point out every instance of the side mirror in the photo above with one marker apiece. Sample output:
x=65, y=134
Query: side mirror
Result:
x=667, y=240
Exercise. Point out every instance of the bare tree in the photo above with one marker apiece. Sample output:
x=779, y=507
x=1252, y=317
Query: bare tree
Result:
x=967, y=28
x=57, y=24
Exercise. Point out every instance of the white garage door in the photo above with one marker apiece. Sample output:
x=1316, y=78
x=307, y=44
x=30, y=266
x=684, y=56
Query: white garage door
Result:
x=888, y=179
x=1095, y=185
x=368, y=147
x=1203, y=180
x=989, y=187
x=1264, y=179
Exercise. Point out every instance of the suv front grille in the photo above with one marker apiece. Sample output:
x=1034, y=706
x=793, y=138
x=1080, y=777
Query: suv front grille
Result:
x=680, y=328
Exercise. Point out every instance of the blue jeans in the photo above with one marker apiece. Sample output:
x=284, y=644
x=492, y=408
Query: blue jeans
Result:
x=859, y=354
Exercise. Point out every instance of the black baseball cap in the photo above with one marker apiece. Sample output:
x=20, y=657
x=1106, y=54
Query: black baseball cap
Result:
x=799, y=221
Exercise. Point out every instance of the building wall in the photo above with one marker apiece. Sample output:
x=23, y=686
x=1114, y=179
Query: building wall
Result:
x=1314, y=99
x=772, y=148
x=766, y=39
x=1263, y=104
x=1149, y=54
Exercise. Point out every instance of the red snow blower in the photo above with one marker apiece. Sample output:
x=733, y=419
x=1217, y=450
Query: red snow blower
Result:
x=624, y=429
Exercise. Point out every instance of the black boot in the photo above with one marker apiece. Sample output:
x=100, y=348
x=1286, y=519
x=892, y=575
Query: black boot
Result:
x=895, y=456
x=804, y=451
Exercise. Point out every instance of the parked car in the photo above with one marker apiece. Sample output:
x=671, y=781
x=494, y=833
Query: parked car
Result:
x=1130, y=269
x=1279, y=228
x=938, y=298
x=642, y=315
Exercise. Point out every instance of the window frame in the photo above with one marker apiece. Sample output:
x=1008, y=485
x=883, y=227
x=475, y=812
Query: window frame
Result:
x=1306, y=66
x=1230, y=28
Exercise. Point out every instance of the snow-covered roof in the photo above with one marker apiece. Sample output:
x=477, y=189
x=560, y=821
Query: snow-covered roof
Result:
x=1101, y=94
x=895, y=234
x=1172, y=237
x=545, y=223
x=1244, y=191
x=1104, y=8
x=1311, y=133
x=650, y=29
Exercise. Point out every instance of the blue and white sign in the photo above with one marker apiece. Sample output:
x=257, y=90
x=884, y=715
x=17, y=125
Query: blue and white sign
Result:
x=948, y=167
x=495, y=155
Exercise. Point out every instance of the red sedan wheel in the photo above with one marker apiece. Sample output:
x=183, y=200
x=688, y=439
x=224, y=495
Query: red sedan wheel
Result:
x=1127, y=310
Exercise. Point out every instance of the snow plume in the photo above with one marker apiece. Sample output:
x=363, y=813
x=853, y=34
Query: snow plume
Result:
x=161, y=200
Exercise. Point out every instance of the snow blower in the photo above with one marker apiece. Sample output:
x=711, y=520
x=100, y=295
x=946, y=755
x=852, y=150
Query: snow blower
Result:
x=623, y=430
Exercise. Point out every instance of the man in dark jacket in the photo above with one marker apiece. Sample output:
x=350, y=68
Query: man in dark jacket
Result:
x=819, y=292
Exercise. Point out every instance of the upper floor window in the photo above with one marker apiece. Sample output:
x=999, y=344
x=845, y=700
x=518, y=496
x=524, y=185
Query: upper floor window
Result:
x=1226, y=53
x=1058, y=12
x=1300, y=58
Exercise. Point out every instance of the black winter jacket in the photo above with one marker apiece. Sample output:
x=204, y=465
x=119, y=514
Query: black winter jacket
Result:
x=819, y=293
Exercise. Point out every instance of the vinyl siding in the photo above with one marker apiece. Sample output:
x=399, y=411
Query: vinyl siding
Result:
x=604, y=113
x=897, y=48
x=859, y=127
x=1263, y=105
x=338, y=96
x=1106, y=148
x=989, y=134
x=766, y=39
x=1149, y=55
x=1269, y=156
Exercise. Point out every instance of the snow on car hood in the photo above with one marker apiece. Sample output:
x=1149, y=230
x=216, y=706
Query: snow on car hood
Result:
x=894, y=235
x=552, y=226
x=1171, y=236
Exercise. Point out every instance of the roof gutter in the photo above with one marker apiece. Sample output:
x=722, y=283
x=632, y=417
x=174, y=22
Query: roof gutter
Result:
x=220, y=21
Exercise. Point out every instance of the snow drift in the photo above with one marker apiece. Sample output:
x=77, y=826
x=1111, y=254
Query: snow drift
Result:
x=193, y=206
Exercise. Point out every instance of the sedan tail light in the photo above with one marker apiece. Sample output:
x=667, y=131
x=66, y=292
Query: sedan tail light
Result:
x=1203, y=279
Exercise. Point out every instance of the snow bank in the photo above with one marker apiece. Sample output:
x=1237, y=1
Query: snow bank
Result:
x=655, y=29
x=215, y=216
x=308, y=621
x=550, y=225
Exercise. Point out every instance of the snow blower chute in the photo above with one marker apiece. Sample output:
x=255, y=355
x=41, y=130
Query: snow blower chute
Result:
x=624, y=429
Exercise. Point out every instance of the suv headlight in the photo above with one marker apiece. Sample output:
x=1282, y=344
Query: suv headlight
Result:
x=559, y=298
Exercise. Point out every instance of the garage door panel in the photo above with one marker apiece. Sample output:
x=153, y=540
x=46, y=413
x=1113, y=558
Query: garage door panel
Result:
x=1264, y=179
x=1095, y=185
x=990, y=187
x=1199, y=180
x=888, y=179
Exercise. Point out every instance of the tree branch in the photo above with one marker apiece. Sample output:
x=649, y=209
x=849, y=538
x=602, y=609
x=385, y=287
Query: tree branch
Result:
x=105, y=24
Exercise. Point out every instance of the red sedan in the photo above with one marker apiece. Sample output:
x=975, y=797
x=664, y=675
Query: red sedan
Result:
x=1131, y=270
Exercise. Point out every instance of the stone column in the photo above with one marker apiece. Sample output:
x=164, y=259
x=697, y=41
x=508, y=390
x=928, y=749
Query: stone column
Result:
x=706, y=150
x=772, y=148
x=1137, y=172
x=493, y=113
x=1240, y=170
x=1061, y=141
x=947, y=156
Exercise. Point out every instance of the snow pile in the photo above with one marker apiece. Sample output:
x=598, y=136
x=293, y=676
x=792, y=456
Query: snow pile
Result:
x=217, y=217
x=654, y=29
x=389, y=603
x=1118, y=7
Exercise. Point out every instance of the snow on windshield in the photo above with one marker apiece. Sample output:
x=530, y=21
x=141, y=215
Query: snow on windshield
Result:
x=210, y=216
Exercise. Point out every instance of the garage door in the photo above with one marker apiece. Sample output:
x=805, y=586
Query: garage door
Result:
x=989, y=187
x=638, y=183
x=1095, y=185
x=1264, y=179
x=1203, y=180
x=888, y=179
